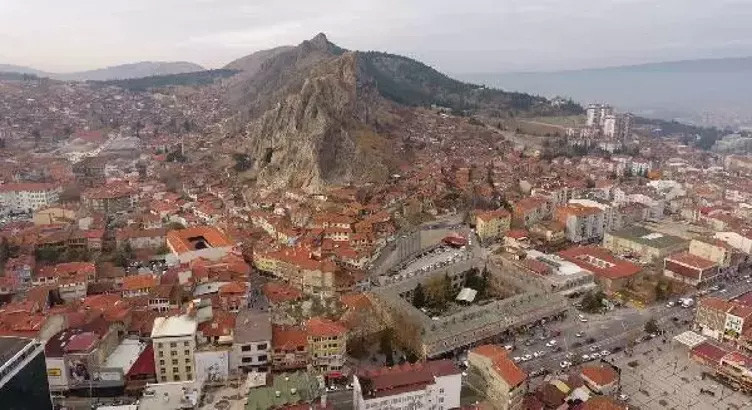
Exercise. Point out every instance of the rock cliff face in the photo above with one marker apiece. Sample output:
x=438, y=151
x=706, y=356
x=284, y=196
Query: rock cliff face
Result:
x=312, y=115
x=309, y=129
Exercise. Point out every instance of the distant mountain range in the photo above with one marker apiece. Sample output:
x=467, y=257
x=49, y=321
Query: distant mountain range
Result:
x=118, y=72
x=704, y=92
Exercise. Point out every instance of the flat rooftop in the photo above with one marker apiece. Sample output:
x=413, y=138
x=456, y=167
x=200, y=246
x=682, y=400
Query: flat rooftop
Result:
x=125, y=355
x=174, y=326
x=650, y=238
x=9, y=346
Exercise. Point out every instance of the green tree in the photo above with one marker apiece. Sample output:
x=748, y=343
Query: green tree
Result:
x=386, y=345
x=419, y=296
x=593, y=301
x=651, y=326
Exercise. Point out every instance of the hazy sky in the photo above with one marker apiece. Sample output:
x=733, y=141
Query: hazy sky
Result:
x=454, y=36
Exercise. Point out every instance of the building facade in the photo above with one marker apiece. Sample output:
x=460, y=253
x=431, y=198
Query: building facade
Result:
x=174, y=341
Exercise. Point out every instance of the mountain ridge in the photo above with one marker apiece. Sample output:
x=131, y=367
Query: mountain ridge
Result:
x=318, y=114
x=116, y=72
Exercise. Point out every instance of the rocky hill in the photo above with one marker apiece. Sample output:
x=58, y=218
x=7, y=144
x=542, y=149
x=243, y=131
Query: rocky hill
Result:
x=317, y=114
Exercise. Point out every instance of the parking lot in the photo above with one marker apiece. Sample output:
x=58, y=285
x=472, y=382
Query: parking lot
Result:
x=441, y=256
x=658, y=376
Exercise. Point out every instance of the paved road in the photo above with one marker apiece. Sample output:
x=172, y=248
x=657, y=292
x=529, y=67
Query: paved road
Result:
x=615, y=328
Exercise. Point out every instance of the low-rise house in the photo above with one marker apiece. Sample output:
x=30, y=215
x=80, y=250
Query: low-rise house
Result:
x=611, y=273
x=141, y=238
x=139, y=285
x=601, y=378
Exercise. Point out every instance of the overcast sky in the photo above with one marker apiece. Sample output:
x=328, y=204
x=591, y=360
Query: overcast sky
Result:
x=453, y=36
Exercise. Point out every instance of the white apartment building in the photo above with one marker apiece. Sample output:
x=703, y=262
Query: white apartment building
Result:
x=609, y=126
x=596, y=114
x=582, y=223
x=28, y=196
x=430, y=385
x=174, y=340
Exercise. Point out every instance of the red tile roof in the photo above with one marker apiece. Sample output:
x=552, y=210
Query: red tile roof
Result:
x=144, y=364
x=694, y=261
x=288, y=338
x=180, y=240
x=600, y=375
x=320, y=327
x=589, y=257
x=506, y=369
x=708, y=352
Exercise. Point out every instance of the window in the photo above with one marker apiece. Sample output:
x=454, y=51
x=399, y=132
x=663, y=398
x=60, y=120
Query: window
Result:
x=187, y=359
x=173, y=353
x=246, y=348
x=186, y=352
x=161, y=362
x=176, y=377
x=161, y=354
x=174, y=361
x=164, y=378
x=188, y=369
x=185, y=344
x=189, y=376
x=175, y=370
x=263, y=358
x=163, y=370
x=173, y=344
x=441, y=391
x=159, y=345
x=261, y=346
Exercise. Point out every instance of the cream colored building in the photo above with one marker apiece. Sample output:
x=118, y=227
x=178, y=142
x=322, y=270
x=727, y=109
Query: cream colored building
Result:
x=713, y=250
x=494, y=375
x=643, y=243
x=491, y=225
x=174, y=340
x=54, y=215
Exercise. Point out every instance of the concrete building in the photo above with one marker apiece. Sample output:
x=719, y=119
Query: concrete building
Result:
x=710, y=317
x=289, y=390
x=252, y=342
x=583, y=223
x=491, y=225
x=28, y=196
x=327, y=343
x=427, y=385
x=690, y=269
x=110, y=199
x=597, y=113
x=728, y=258
x=496, y=377
x=174, y=341
x=642, y=243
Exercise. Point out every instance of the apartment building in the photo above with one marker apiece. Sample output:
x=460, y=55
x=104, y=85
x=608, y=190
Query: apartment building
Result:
x=428, y=385
x=28, y=196
x=583, y=223
x=327, y=342
x=493, y=374
x=491, y=225
x=724, y=255
x=110, y=199
x=611, y=273
x=174, y=341
x=252, y=342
